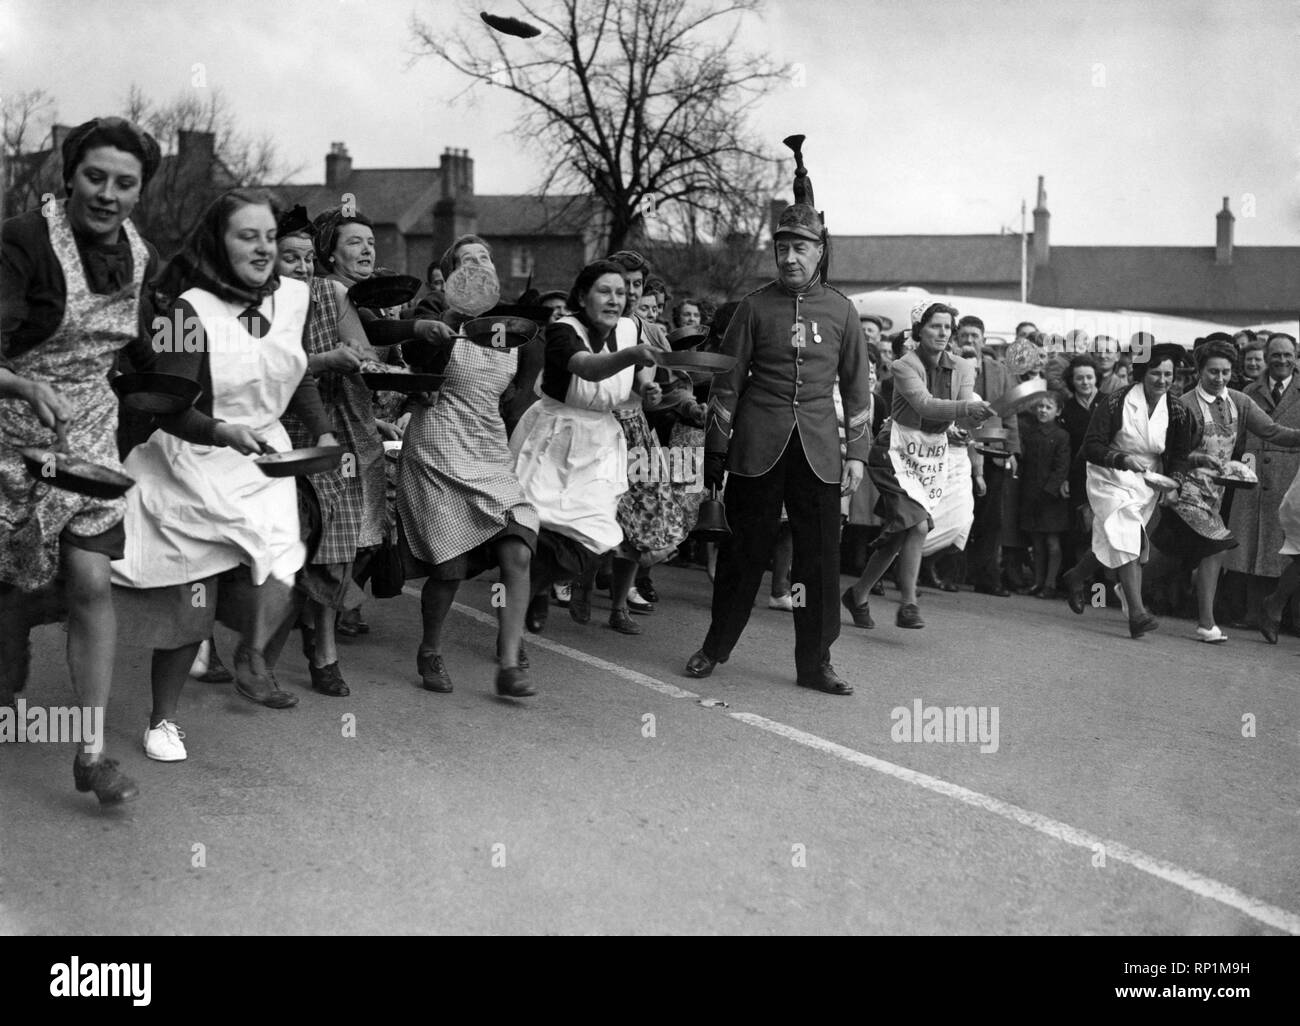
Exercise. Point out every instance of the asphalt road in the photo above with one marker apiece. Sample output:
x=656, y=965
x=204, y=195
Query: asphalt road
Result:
x=1122, y=797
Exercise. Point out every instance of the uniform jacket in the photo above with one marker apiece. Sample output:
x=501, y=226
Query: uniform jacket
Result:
x=1253, y=520
x=776, y=385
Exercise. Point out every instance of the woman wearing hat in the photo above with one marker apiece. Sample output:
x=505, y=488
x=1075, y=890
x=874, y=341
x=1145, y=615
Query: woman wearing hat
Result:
x=908, y=464
x=1192, y=528
x=207, y=532
x=460, y=508
x=1131, y=433
x=70, y=285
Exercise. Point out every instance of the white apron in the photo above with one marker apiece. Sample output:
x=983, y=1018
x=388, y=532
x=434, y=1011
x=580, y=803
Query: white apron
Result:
x=571, y=457
x=920, y=462
x=1122, y=501
x=200, y=510
x=955, y=511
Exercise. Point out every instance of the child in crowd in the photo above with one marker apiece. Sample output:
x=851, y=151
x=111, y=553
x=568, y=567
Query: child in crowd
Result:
x=1044, y=489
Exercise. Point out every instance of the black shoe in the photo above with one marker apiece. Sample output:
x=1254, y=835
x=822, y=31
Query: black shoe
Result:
x=538, y=608
x=636, y=602
x=947, y=585
x=992, y=589
x=580, y=606
x=700, y=665
x=1144, y=624
x=432, y=672
x=621, y=622
x=255, y=681
x=216, y=673
x=512, y=682
x=328, y=680
x=646, y=589
x=111, y=785
x=350, y=624
x=1268, y=626
x=1075, y=594
x=826, y=679
x=909, y=616
x=861, y=613
x=878, y=588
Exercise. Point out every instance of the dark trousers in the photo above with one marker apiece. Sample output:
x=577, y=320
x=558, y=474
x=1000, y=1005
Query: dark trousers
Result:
x=754, y=514
x=984, y=550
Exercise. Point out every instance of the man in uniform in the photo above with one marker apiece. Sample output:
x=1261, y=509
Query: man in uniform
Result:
x=772, y=424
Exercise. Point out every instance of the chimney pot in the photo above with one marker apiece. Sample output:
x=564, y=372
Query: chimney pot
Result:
x=1223, y=234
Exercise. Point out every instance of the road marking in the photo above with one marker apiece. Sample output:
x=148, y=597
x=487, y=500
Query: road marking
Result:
x=1188, y=880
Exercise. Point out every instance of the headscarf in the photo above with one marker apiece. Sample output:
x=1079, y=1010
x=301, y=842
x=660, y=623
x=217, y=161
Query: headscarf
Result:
x=116, y=132
x=203, y=262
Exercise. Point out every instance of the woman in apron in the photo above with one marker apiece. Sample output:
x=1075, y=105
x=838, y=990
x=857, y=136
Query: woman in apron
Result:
x=459, y=505
x=1192, y=527
x=909, y=464
x=70, y=284
x=208, y=534
x=570, y=452
x=1132, y=432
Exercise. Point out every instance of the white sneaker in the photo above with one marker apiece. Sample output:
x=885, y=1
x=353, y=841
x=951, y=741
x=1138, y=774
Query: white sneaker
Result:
x=562, y=592
x=163, y=742
x=636, y=603
x=785, y=602
x=201, y=660
x=1213, y=636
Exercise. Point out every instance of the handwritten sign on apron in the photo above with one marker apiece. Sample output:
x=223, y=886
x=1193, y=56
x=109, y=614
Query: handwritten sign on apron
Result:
x=920, y=463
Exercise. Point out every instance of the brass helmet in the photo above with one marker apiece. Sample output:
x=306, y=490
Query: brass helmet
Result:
x=802, y=218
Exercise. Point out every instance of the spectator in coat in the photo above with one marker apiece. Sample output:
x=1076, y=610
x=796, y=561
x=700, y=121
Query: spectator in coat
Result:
x=1044, y=490
x=1254, y=517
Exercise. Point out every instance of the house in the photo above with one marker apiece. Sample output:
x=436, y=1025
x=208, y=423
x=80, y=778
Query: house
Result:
x=417, y=213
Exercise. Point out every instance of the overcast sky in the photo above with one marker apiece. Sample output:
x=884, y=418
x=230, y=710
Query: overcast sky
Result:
x=922, y=116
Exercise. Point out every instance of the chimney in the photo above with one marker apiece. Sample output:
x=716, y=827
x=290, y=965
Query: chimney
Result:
x=774, y=210
x=196, y=147
x=1223, y=234
x=455, y=214
x=1042, y=248
x=456, y=170
x=338, y=166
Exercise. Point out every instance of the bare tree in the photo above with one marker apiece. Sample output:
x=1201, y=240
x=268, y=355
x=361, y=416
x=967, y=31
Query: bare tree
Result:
x=643, y=103
x=25, y=121
x=208, y=155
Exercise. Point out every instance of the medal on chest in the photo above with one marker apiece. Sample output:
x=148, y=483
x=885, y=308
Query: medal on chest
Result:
x=799, y=333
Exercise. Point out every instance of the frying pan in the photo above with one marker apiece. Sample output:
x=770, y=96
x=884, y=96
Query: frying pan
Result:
x=73, y=475
x=687, y=338
x=494, y=331
x=1009, y=402
x=384, y=291
x=156, y=393
x=297, y=462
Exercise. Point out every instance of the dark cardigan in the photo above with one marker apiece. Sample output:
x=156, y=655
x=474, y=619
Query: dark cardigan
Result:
x=1182, y=437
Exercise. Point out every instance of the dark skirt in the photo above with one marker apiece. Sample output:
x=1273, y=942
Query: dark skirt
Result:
x=1175, y=538
x=468, y=565
x=897, y=511
x=1045, y=515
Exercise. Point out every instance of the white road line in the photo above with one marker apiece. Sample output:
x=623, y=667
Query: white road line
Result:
x=1188, y=880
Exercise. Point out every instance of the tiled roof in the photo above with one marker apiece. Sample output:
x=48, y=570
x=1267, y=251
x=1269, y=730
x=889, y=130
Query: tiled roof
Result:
x=916, y=259
x=403, y=196
x=533, y=215
x=1260, y=278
